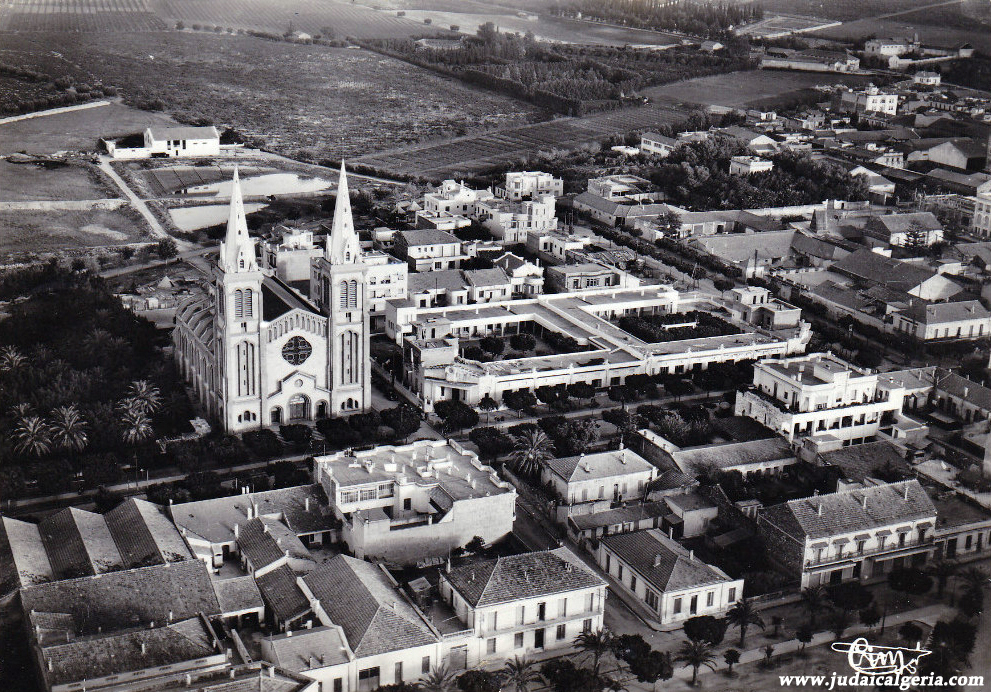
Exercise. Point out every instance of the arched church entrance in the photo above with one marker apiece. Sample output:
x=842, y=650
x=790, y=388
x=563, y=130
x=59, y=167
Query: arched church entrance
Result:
x=299, y=407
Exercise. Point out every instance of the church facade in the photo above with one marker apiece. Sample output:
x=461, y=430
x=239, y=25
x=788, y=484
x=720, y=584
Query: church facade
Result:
x=256, y=352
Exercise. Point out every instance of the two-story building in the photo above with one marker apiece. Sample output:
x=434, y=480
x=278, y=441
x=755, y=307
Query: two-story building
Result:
x=525, y=604
x=429, y=249
x=656, y=144
x=861, y=532
x=819, y=395
x=571, y=278
x=522, y=185
x=614, y=476
x=526, y=278
x=511, y=221
x=666, y=577
x=410, y=503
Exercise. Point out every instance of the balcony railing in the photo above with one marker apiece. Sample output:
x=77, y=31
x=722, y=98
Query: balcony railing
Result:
x=888, y=550
x=795, y=409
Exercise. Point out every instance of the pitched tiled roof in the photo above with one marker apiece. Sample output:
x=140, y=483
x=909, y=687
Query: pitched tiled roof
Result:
x=874, y=268
x=23, y=560
x=214, y=520
x=79, y=543
x=361, y=599
x=296, y=652
x=946, y=313
x=480, y=278
x=517, y=577
x=662, y=562
x=427, y=236
x=600, y=465
x=97, y=657
x=166, y=133
x=723, y=456
x=144, y=535
x=846, y=511
x=282, y=594
x=964, y=388
x=238, y=594
x=264, y=541
x=116, y=600
x=620, y=515
x=866, y=460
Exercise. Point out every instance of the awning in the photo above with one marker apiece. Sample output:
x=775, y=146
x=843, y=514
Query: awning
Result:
x=884, y=532
x=925, y=525
x=820, y=544
x=903, y=529
x=841, y=541
x=862, y=537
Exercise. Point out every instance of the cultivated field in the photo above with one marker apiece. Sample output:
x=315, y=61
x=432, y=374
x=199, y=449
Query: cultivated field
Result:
x=79, y=15
x=311, y=16
x=48, y=231
x=843, y=10
x=28, y=183
x=310, y=102
x=741, y=88
x=465, y=155
x=932, y=34
x=780, y=23
x=75, y=130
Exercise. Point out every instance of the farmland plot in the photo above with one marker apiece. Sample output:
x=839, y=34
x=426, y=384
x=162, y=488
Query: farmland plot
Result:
x=79, y=15
x=304, y=101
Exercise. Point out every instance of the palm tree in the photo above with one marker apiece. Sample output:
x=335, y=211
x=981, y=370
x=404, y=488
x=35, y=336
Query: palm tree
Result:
x=439, y=680
x=533, y=448
x=145, y=396
x=11, y=359
x=696, y=654
x=137, y=427
x=68, y=429
x=33, y=436
x=742, y=615
x=596, y=645
x=520, y=673
x=943, y=570
x=813, y=600
x=974, y=577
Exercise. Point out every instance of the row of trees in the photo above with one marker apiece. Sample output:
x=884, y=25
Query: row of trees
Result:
x=705, y=19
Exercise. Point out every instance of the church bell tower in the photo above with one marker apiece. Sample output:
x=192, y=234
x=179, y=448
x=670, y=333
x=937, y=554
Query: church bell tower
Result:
x=238, y=310
x=338, y=286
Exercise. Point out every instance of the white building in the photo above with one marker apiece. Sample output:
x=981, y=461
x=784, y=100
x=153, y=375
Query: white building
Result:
x=857, y=533
x=981, y=225
x=182, y=141
x=614, y=476
x=890, y=47
x=659, y=145
x=522, y=185
x=926, y=78
x=554, y=245
x=513, y=221
x=429, y=249
x=434, y=370
x=290, y=254
x=819, y=395
x=387, y=280
x=526, y=278
x=867, y=100
x=666, y=577
x=410, y=503
x=588, y=276
x=748, y=165
x=455, y=198
x=526, y=604
x=966, y=319
x=257, y=352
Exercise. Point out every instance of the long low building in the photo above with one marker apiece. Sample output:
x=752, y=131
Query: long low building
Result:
x=433, y=369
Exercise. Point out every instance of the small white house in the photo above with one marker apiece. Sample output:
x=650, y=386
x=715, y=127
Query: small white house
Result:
x=182, y=141
x=748, y=165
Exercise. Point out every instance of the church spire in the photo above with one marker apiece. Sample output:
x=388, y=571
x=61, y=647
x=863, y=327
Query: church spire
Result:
x=237, y=250
x=342, y=242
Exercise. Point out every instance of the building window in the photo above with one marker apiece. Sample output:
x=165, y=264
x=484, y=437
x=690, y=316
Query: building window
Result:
x=732, y=595
x=677, y=606
x=518, y=640
x=620, y=572
x=651, y=599
x=338, y=684
x=633, y=582
x=710, y=598
x=562, y=632
x=399, y=671
x=490, y=645
x=587, y=625
x=562, y=608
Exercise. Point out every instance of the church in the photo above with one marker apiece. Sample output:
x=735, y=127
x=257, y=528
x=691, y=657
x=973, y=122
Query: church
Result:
x=257, y=352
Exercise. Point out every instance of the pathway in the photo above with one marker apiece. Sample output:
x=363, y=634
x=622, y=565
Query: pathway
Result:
x=157, y=230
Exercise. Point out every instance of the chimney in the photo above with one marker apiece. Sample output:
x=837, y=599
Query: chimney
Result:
x=863, y=501
x=170, y=616
x=819, y=509
x=657, y=560
x=288, y=633
x=306, y=504
x=271, y=672
x=144, y=648
x=50, y=667
x=906, y=492
x=691, y=554
x=237, y=531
